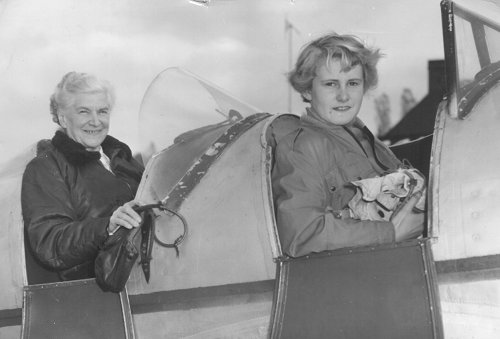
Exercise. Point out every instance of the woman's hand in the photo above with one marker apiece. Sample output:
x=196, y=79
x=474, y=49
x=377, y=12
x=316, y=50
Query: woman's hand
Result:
x=408, y=224
x=124, y=216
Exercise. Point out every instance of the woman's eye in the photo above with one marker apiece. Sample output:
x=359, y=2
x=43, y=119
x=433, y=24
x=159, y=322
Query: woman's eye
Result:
x=104, y=111
x=354, y=83
x=82, y=112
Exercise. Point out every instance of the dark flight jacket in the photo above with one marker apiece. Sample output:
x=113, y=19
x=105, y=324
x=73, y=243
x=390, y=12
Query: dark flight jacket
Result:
x=68, y=197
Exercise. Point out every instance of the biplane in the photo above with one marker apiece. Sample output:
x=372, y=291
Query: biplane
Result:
x=217, y=269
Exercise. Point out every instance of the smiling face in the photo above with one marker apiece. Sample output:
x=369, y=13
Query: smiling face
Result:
x=86, y=120
x=336, y=96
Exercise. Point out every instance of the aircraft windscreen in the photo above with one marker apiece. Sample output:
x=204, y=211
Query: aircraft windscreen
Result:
x=471, y=60
x=178, y=101
x=476, y=26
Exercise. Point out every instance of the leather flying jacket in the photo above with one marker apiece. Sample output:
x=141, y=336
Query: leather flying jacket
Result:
x=314, y=166
x=68, y=197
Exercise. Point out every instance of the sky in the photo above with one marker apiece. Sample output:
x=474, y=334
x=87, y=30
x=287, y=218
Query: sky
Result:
x=239, y=45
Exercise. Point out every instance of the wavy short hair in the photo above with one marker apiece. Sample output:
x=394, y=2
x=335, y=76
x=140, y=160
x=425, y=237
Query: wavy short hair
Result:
x=349, y=49
x=74, y=83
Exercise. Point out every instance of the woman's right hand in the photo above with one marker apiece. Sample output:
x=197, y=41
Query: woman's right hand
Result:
x=408, y=224
x=124, y=216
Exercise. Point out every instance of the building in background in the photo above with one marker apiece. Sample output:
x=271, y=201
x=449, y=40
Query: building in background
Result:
x=419, y=121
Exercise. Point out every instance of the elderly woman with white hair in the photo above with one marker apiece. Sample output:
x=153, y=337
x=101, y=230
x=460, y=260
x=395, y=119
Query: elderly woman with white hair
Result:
x=80, y=187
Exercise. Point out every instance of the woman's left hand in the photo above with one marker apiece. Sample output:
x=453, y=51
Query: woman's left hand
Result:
x=407, y=223
x=124, y=216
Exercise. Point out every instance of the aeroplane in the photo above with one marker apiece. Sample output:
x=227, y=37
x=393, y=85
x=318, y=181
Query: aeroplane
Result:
x=217, y=268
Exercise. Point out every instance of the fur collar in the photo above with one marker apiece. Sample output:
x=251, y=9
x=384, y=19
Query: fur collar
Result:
x=77, y=155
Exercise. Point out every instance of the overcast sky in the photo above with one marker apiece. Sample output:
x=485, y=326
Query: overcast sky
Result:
x=239, y=45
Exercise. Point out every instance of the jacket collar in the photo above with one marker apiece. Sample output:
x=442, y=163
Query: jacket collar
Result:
x=345, y=132
x=315, y=119
x=77, y=155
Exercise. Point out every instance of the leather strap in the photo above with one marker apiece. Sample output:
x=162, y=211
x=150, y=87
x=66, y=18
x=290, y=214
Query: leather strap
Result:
x=147, y=230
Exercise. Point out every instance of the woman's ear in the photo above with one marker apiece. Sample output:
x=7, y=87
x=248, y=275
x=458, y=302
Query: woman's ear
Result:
x=62, y=119
x=307, y=95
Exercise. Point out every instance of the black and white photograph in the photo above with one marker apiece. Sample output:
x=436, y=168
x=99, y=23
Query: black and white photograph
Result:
x=250, y=169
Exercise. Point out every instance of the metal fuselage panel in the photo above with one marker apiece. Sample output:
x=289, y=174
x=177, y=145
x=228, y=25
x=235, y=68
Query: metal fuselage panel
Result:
x=465, y=219
x=465, y=180
x=12, y=259
x=227, y=240
x=468, y=177
x=222, y=280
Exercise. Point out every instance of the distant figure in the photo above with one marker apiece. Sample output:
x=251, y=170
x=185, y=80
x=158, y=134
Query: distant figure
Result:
x=317, y=163
x=407, y=101
x=383, y=118
x=80, y=188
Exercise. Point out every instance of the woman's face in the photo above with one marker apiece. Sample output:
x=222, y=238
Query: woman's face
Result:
x=336, y=96
x=86, y=121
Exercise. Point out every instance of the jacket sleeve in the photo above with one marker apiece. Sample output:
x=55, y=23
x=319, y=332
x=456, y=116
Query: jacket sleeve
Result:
x=305, y=221
x=57, y=236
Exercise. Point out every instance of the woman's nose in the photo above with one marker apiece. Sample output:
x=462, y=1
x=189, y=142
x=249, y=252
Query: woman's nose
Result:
x=342, y=95
x=94, y=119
